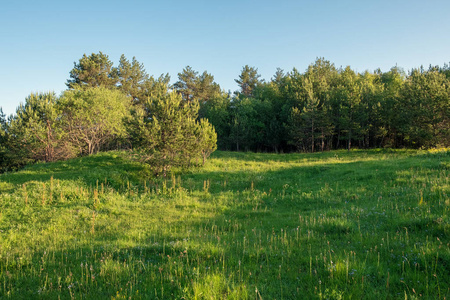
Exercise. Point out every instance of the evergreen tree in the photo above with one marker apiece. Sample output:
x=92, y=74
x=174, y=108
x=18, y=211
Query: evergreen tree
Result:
x=347, y=100
x=295, y=129
x=132, y=78
x=4, y=163
x=207, y=89
x=187, y=84
x=167, y=131
x=370, y=114
x=392, y=110
x=194, y=87
x=92, y=71
x=426, y=102
x=207, y=139
x=35, y=130
x=218, y=112
x=248, y=80
x=311, y=113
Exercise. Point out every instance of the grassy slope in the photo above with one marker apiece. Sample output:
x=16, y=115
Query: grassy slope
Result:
x=371, y=224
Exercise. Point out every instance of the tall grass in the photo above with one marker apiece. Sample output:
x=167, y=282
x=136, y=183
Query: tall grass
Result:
x=336, y=225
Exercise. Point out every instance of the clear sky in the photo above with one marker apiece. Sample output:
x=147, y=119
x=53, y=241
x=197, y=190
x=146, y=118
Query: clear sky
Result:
x=40, y=40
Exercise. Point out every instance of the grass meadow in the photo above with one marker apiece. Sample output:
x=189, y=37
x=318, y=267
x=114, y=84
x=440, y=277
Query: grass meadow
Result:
x=336, y=225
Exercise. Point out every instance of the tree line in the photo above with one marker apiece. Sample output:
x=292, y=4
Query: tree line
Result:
x=323, y=108
x=108, y=108
x=328, y=108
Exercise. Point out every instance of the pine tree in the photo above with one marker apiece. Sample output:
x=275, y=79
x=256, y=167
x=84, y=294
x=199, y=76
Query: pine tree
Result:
x=248, y=80
x=36, y=129
x=166, y=130
x=133, y=80
x=92, y=71
x=187, y=84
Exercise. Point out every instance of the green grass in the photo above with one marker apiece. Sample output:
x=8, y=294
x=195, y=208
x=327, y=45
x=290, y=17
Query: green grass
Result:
x=336, y=225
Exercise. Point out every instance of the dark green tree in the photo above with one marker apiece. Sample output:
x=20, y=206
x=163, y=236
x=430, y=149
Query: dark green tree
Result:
x=187, y=84
x=246, y=126
x=270, y=111
x=248, y=80
x=370, y=114
x=426, y=103
x=195, y=87
x=133, y=80
x=391, y=109
x=347, y=100
x=4, y=147
x=207, y=88
x=218, y=112
x=92, y=71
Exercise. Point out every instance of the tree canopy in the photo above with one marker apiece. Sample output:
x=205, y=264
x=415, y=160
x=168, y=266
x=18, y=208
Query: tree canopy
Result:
x=92, y=71
x=323, y=108
x=107, y=107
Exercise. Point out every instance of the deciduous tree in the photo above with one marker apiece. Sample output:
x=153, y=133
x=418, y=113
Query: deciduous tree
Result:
x=94, y=117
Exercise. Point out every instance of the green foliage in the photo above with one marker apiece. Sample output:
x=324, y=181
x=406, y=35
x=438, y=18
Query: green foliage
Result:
x=332, y=225
x=199, y=88
x=246, y=128
x=132, y=78
x=206, y=139
x=35, y=130
x=187, y=83
x=427, y=109
x=167, y=130
x=92, y=71
x=134, y=81
x=248, y=80
x=327, y=108
x=217, y=111
x=95, y=114
x=347, y=98
x=4, y=163
x=93, y=118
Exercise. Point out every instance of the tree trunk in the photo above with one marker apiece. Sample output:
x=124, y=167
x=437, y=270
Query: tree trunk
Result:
x=322, y=142
x=349, y=139
x=338, y=139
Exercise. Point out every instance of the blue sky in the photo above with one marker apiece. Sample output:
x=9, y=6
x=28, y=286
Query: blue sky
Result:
x=40, y=40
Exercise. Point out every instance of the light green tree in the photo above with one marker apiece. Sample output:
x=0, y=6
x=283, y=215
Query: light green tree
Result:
x=94, y=117
x=206, y=139
x=167, y=132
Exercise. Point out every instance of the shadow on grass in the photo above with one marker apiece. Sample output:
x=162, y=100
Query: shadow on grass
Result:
x=114, y=168
x=251, y=243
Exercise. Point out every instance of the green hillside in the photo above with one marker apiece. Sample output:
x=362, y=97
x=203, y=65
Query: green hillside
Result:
x=335, y=225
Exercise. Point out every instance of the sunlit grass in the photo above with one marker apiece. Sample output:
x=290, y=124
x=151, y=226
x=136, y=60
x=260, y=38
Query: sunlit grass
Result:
x=358, y=224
